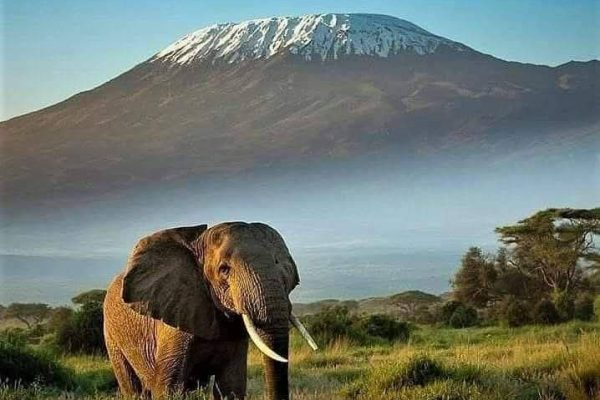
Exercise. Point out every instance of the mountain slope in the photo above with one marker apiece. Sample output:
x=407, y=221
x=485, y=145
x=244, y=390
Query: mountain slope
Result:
x=197, y=110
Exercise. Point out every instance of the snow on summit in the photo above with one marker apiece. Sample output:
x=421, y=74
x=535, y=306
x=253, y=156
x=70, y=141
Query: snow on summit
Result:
x=321, y=36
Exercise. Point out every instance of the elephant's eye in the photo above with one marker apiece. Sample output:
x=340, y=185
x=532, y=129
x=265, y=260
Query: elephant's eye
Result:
x=224, y=271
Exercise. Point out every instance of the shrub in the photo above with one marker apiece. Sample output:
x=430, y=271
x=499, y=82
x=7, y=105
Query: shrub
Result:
x=584, y=308
x=564, y=304
x=59, y=317
x=516, y=313
x=83, y=333
x=20, y=365
x=463, y=317
x=331, y=323
x=385, y=327
x=448, y=309
x=335, y=322
x=15, y=336
x=597, y=308
x=545, y=312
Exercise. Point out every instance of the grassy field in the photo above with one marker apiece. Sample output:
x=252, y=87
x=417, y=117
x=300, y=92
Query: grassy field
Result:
x=556, y=362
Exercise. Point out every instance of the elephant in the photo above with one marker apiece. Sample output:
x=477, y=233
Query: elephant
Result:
x=187, y=302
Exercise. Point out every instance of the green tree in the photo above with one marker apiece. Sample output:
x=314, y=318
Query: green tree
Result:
x=91, y=296
x=475, y=280
x=81, y=331
x=28, y=313
x=59, y=317
x=550, y=246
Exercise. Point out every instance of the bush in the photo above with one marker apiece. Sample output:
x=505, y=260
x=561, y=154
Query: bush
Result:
x=15, y=336
x=564, y=304
x=597, y=308
x=385, y=327
x=463, y=317
x=584, y=308
x=20, y=365
x=83, y=333
x=516, y=313
x=448, y=309
x=545, y=313
x=59, y=318
x=335, y=322
x=331, y=323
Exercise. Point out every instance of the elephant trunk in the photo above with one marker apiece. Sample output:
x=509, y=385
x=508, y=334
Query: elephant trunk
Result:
x=276, y=373
x=276, y=335
x=267, y=309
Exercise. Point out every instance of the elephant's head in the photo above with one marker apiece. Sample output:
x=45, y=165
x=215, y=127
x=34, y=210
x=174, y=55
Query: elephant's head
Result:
x=186, y=276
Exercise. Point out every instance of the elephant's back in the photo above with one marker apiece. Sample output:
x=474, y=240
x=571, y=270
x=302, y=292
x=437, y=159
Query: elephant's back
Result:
x=131, y=333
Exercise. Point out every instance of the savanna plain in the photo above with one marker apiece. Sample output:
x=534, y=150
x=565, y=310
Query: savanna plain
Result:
x=521, y=324
x=534, y=362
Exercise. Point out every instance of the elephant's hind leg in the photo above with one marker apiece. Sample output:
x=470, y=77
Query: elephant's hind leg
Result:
x=129, y=383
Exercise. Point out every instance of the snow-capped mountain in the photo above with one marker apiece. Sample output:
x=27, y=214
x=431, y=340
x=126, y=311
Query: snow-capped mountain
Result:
x=395, y=91
x=313, y=37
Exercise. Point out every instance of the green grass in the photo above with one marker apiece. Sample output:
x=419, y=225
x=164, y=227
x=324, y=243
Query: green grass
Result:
x=492, y=363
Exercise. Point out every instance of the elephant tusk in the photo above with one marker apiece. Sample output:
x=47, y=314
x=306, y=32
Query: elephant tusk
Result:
x=262, y=346
x=296, y=322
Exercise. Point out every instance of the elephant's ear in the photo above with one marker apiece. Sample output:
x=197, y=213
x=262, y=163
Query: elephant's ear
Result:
x=282, y=255
x=164, y=280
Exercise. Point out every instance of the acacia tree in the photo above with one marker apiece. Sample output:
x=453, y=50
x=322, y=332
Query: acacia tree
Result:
x=28, y=313
x=552, y=244
x=81, y=330
x=91, y=296
x=474, y=282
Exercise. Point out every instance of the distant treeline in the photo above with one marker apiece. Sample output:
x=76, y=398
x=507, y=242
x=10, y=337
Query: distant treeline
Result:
x=546, y=272
x=63, y=329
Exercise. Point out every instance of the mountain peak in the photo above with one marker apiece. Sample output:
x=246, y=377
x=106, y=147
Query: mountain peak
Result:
x=312, y=37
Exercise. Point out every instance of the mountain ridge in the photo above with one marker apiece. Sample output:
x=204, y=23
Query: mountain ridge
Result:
x=313, y=36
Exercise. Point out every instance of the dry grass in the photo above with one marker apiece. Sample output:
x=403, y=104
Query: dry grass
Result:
x=541, y=363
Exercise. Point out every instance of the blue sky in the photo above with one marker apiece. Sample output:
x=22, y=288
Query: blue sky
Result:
x=53, y=49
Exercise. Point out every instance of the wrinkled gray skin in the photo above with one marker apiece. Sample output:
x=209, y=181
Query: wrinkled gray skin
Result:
x=172, y=319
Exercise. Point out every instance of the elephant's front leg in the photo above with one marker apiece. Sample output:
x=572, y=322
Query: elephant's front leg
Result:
x=231, y=375
x=171, y=364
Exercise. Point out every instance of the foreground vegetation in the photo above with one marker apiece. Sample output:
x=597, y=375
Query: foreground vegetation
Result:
x=523, y=324
x=534, y=362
